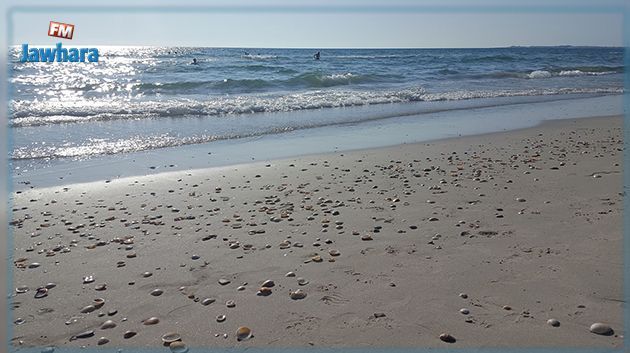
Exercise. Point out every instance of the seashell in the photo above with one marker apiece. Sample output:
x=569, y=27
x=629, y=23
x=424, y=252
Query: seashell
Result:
x=151, y=321
x=41, y=292
x=19, y=321
x=147, y=274
x=268, y=283
x=601, y=329
x=230, y=304
x=88, y=279
x=447, y=338
x=366, y=237
x=50, y=285
x=297, y=294
x=463, y=295
x=208, y=301
x=101, y=287
x=108, y=324
x=99, y=302
x=21, y=289
x=334, y=252
x=129, y=334
x=101, y=341
x=171, y=337
x=157, y=292
x=507, y=307
x=302, y=281
x=34, y=265
x=112, y=312
x=290, y=274
x=223, y=281
x=88, y=309
x=464, y=311
x=84, y=334
x=317, y=258
x=178, y=347
x=221, y=318
x=553, y=322
x=240, y=288
x=243, y=333
x=264, y=291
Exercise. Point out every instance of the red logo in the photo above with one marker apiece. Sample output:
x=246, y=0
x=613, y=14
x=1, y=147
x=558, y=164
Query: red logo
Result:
x=60, y=30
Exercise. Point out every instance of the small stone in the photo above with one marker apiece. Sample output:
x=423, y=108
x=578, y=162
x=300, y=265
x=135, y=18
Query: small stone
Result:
x=129, y=334
x=553, y=322
x=366, y=237
x=290, y=274
x=224, y=281
x=507, y=307
x=243, y=333
x=601, y=329
x=268, y=283
x=302, y=281
x=157, y=292
x=463, y=295
x=297, y=294
x=101, y=341
x=464, y=311
x=84, y=334
x=377, y=315
x=151, y=321
x=221, y=318
x=230, y=304
x=334, y=252
x=264, y=291
x=447, y=338
x=208, y=301
x=108, y=324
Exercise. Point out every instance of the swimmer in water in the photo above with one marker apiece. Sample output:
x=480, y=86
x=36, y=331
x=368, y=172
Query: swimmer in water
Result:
x=316, y=56
x=194, y=62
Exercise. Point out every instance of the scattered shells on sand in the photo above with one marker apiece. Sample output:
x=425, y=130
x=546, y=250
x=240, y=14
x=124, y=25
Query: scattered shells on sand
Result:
x=171, y=337
x=108, y=324
x=297, y=294
x=447, y=338
x=553, y=322
x=178, y=347
x=601, y=329
x=151, y=321
x=243, y=333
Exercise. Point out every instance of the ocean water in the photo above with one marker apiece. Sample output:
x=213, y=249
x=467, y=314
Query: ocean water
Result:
x=149, y=98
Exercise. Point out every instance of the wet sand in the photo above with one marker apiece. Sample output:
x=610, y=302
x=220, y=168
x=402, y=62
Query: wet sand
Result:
x=389, y=245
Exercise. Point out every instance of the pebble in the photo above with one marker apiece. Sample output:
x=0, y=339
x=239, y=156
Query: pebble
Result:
x=171, y=337
x=101, y=341
x=24, y=289
x=157, y=292
x=84, y=334
x=151, y=321
x=268, y=283
x=129, y=334
x=41, y=293
x=88, y=279
x=297, y=294
x=224, y=281
x=447, y=338
x=264, y=291
x=243, y=333
x=601, y=329
x=230, y=304
x=553, y=322
x=334, y=252
x=302, y=281
x=108, y=324
x=208, y=301
x=290, y=274
x=178, y=347
x=147, y=274
x=366, y=237
x=464, y=311
x=507, y=307
x=221, y=318
x=463, y=295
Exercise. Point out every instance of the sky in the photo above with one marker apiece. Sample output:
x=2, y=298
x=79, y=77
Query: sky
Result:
x=418, y=24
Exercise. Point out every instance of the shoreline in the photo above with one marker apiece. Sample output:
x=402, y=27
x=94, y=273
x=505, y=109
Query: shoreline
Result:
x=526, y=223
x=349, y=137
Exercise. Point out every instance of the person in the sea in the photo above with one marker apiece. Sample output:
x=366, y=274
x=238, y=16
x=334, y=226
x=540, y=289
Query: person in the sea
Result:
x=194, y=62
x=316, y=56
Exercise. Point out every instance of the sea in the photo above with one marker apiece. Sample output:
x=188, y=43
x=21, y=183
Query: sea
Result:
x=152, y=101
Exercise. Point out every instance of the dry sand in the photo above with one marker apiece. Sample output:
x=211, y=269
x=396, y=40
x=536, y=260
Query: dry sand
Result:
x=528, y=224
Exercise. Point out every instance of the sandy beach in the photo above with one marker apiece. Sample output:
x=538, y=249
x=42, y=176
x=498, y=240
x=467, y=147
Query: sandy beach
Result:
x=483, y=238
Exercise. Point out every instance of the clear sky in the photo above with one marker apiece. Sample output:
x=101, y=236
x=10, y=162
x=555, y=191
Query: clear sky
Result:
x=447, y=23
